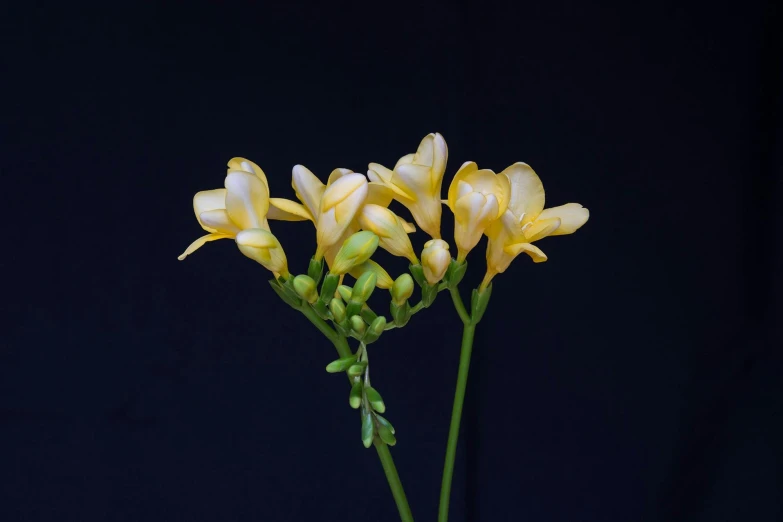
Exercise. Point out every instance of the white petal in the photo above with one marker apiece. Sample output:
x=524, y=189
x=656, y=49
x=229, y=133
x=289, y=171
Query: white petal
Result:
x=218, y=220
x=309, y=189
x=287, y=210
x=527, y=191
x=208, y=200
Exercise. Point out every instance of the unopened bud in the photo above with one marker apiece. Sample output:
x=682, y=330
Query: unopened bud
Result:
x=355, y=250
x=305, y=288
x=337, y=308
x=402, y=289
x=362, y=289
x=357, y=324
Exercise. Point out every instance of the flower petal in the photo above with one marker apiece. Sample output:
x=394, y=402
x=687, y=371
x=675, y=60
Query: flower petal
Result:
x=572, y=217
x=533, y=251
x=247, y=199
x=527, y=192
x=200, y=242
x=309, y=189
x=337, y=174
x=208, y=200
x=379, y=194
x=287, y=210
x=540, y=229
x=218, y=220
x=245, y=165
x=466, y=169
x=378, y=173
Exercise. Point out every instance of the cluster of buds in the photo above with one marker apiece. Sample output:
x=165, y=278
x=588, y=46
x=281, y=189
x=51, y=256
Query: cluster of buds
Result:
x=352, y=220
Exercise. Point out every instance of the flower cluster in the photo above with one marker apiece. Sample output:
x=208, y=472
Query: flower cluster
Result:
x=507, y=207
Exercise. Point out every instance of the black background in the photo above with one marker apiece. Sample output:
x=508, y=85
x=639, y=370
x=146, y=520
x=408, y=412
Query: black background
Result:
x=634, y=376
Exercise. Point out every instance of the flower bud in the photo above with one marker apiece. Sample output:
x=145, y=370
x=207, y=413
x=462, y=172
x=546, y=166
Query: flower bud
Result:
x=355, y=397
x=357, y=324
x=357, y=369
x=356, y=250
x=389, y=228
x=375, y=399
x=337, y=308
x=435, y=259
x=305, y=288
x=264, y=248
x=378, y=326
x=402, y=289
x=345, y=292
x=401, y=314
x=362, y=289
x=383, y=280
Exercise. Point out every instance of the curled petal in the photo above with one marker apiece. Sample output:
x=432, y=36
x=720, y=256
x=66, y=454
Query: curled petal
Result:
x=208, y=200
x=533, y=251
x=200, y=242
x=527, y=192
x=541, y=228
x=218, y=220
x=287, y=210
x=382, y=277
x=245, y=165
x=308, y=188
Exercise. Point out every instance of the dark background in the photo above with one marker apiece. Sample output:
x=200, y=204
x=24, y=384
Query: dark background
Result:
x=634, y=376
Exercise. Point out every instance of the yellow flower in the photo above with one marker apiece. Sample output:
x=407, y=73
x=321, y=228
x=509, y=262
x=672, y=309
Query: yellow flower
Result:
x=435, y=259
x=416, y=181
x=390, y=229
x=525, y=221
x=382, y=277
x=263, y=247
x=243, y=204
x=310, y=191
x=477, y=198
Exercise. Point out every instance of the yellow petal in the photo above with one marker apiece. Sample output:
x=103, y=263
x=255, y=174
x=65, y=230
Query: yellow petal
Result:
x=337, y=174
x=247, y=199
x=541, y=228
x=287, y=210
x=408, y=158
x=200, y=242
x=381, y=174
x=527, y=192
x=409, y=227
x=533, y=251
x=572, y=217
x=466, y=169
x=389, y=228
x=308, y=188
x=245, y=165
x=413, y=179
x=382, y=277
x=379, y=194
x=208, y=200
x=218, y=220
x=342, y=189
x=440, y=157
x=263, y=247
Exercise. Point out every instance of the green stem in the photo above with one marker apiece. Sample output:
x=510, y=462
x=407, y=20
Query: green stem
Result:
x=394, y=481
x=384, y=454
x=463, y=314
x=456, y=411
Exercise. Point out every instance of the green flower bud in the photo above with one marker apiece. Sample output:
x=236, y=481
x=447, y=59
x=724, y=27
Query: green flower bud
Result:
x=355, y=397
x=400, y=314
x=362, y=289
x=375, y=399
x=345, y=292
x=355, y=250
x=357, y=324
x=329, y=286
x=377, y=327
x=341, y=365
x=305, y=288
x=386, y=435
x=337, y=308
x=357, y=369
x=383, y=422
x=315, y=269
x=402, y=289
x=368, y=429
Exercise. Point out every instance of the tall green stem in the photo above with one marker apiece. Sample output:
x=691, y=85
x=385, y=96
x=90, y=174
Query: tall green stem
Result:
x=394, y=481
x=456, y=411
x=341, y=344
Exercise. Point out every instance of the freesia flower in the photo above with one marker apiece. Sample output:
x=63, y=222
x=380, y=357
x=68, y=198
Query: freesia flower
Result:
x=263, y=247
x=243, y=204
x=416, y=181
x=525, y=220
x=477, y=198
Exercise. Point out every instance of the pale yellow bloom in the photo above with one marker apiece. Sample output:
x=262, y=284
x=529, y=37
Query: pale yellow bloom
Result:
x=262, y=246
x=416, y=181
x=242, y=205
x=525, y=220
x=477, y=198
x=435, y=259
x=390, y=229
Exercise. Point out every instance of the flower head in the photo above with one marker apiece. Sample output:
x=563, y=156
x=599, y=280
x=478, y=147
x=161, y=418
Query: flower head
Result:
x=525, y=220
x=435, y=259
x=416, y=181
x=263, y=247
x=477, y=198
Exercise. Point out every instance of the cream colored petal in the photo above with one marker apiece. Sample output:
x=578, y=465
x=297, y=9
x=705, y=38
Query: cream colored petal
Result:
x=218, y=220
x=414, y=179
x=498, y=259
x=247, y=199
x=379, y=194
x=424, y=154
x=408, y=158
x=287, y=210
x=572, y=217
x=533, y=251
x=527, y=191
x=381, y=174
x=208, y=200
x=466, y=169
x=409, y=227
x=308, y=188
x=342, y=189
x=200, y=242
x=440, y=157
x=541, y=228
x=245, y=165
x=337, y=174
x=382, y=277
